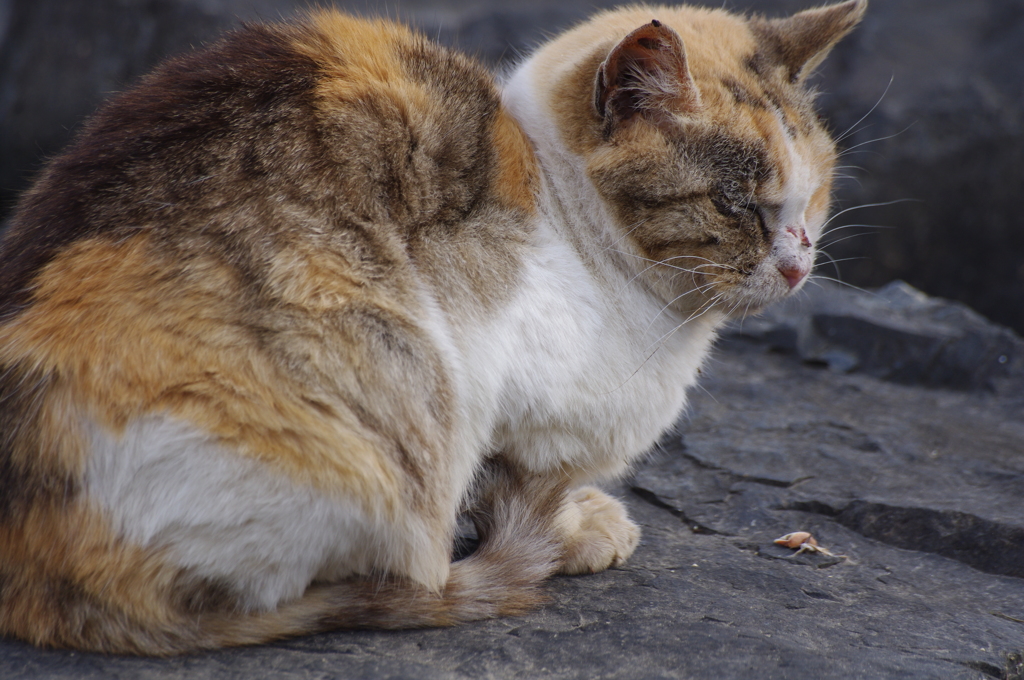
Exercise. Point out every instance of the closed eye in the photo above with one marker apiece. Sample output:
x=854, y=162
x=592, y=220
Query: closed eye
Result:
x=724, y=207
x=762, y=223
x=734, y=210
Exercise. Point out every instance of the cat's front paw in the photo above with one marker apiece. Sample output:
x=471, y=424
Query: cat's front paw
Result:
x=596, y=532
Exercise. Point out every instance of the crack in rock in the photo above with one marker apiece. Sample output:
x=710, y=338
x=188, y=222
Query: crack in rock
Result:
x=767, y=481
x=988, y=669
x=980, y=543
x=652, y=498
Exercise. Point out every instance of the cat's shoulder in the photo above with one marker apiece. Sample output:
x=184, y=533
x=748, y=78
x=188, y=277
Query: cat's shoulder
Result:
x=384, y=88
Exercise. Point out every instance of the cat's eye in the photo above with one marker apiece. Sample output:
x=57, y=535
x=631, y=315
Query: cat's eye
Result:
x=749, y=210
x=760, y=220
x=723, y=206
x=758, y=214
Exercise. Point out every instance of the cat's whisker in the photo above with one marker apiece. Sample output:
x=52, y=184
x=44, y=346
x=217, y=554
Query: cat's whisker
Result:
x=696, y=314
x=629, y=231
x=851, y=178
x=707, y=262
x=633, y=374
x=683, y=322
x=655, y=263
x=695, y=268
x=845, y=152
x=652, y=265
x=821, y=277
x=698, y=289
x=868, y=205
x=834, y=261
x=831, y=260
x=869, y=229
x=659, y=343
x=853, y=128
x=846, y=238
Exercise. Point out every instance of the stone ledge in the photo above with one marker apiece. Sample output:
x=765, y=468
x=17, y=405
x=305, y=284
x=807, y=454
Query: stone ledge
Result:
x=895, y=333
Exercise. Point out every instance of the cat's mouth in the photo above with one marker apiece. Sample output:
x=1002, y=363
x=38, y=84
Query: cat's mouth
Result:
x=771, y=281
x=782, y=273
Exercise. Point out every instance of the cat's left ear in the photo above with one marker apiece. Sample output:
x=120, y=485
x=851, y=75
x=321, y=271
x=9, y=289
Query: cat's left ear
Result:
x=801, y=42
x=645, y=74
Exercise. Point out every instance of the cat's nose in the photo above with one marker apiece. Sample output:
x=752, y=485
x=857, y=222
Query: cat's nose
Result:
x=794, y=270
x=794, y=273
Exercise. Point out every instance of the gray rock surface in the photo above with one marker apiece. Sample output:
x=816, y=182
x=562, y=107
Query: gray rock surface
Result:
x=896, y=333
x=918, y=493
x=950, y=127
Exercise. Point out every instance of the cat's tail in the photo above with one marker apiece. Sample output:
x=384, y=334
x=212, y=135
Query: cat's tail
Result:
x=519, y=549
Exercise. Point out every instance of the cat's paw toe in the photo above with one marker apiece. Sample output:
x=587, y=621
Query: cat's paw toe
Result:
x=596, y=532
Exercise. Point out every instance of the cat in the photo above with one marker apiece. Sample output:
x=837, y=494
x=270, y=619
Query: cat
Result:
x=291, y=304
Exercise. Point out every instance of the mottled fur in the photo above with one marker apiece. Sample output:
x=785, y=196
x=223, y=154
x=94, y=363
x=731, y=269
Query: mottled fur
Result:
x=285, y=308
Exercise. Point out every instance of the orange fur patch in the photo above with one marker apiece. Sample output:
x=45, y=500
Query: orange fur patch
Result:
x=129, y=338
x=518, y=177
x=361, y=49
x=359, y=60
x=97, y=573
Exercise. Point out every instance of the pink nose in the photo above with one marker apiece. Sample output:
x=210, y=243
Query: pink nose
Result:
x=793, y=273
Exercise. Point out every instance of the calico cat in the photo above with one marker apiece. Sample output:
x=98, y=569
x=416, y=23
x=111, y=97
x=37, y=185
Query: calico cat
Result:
x=291, y=304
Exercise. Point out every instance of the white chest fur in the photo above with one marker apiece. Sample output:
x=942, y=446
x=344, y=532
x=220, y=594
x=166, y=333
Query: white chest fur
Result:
x=585, y=373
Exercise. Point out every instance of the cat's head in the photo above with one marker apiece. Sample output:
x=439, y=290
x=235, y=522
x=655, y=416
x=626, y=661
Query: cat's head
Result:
x=696, y=128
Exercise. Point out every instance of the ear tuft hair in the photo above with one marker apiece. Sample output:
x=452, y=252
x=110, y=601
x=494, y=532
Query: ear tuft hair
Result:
x=645, y=73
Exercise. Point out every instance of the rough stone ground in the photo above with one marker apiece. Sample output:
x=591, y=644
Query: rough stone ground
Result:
x=919, y=489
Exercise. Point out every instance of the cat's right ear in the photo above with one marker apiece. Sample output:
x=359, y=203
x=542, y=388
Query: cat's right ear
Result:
x=645, y=74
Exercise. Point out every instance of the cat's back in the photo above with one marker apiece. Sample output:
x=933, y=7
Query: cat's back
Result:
x=340, y=119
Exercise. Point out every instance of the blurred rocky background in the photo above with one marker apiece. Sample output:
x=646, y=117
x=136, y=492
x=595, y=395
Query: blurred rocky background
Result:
x=929, y=95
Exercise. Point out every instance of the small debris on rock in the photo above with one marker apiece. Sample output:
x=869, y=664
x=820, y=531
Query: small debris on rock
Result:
x=804, y=542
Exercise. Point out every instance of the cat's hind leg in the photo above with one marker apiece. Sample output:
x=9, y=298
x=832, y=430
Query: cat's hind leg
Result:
x=593, y=529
